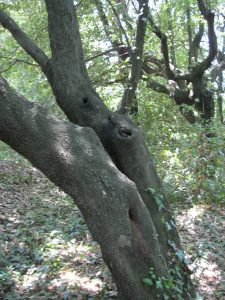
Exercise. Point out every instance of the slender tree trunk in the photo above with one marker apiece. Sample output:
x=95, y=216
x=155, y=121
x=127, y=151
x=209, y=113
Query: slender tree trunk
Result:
x=220, y=98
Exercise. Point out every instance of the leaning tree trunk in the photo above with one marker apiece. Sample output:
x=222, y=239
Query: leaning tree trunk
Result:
x=107, y=171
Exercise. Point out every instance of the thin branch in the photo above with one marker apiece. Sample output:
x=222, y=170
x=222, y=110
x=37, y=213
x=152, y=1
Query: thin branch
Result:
x=25, y=42
x=116, y=48
x=220, y=98
x=171, y=34
x=208, y=15
x=135, y=8
x=123, y=51
x=164, y=47
x=136, y=59
x=195, y=45
x=125, y=15
x=189, y=29
x=107, y=83
x=217, y=70
x=180, y=97
x=103, y=18
x=8, y=68
x=79, y=3
x=120, y=24
x=100, y=54
x=157, y=87
x=153, y=65
x=18, y=61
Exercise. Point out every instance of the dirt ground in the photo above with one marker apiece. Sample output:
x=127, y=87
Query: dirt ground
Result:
x=46, y=251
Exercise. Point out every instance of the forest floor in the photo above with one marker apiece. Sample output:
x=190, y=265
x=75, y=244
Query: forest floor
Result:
x=46, y=251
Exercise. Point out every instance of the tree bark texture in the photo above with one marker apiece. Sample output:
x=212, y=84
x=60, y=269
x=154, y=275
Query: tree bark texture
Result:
x=101, y=161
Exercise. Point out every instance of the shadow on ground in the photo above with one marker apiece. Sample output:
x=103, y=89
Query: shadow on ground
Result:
x=46, y=251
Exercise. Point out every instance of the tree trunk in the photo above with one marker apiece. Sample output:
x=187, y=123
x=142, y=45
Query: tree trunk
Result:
x=220, y=98
x=107, y=170
x=204, y=102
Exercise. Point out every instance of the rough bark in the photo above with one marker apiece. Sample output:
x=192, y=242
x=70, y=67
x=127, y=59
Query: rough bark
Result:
x=133, y=225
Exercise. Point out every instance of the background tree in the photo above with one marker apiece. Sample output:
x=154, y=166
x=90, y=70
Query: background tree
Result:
x=117, y=190
x=175, y=60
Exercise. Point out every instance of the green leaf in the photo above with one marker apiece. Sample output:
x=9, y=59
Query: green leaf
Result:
x=148, y=281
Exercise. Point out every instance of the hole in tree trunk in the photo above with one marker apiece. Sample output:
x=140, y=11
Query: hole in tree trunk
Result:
x=131, y=214
x=85, y=100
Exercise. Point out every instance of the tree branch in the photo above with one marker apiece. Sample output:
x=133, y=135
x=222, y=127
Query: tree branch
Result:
x=122, y=50
x=180, y=96
x=120, y=24
x=103, y=17
x=217, y=70
x=25, y=42
x=68, y=74
x=136, y=59
x=124, y=11
x=189, y=30
x=209, y=17
x=171, y=34
x=157, y=87
x=15, y=61
x=164, y=47
x=153, y=65
x=101, y=54
x=9, y=67
x=194, y=45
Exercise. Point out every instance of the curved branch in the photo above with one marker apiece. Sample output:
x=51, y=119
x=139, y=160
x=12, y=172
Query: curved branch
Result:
x=212, y=39
x=25, y=42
